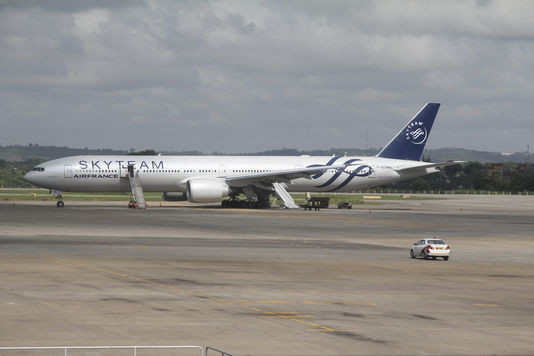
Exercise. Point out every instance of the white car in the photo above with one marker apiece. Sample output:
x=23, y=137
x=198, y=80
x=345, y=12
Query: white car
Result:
x=430, y=248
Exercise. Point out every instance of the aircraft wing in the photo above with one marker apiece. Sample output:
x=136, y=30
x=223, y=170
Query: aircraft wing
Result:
x=436, y=167
x=282, y=176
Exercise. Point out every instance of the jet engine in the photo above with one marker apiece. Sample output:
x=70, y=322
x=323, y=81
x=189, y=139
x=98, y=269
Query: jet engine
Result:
x=173, y=196
x=206, y=190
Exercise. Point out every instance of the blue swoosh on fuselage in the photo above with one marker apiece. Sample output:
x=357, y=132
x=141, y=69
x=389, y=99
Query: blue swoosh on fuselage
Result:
x=329, y=163
x=336, y=175
x=355, y=173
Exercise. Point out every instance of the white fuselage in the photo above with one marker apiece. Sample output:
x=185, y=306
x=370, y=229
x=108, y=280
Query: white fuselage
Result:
x=171, y=173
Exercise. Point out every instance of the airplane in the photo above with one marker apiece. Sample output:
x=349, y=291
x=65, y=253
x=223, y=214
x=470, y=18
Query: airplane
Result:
x=209, y=179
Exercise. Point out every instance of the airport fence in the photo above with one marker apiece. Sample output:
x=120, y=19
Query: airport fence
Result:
x=66, y=349
x=440, y=192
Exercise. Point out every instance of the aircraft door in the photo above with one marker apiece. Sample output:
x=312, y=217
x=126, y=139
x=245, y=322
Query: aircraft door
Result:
x=374, y=172
x=68, y=172
x=222, y=171
x=123, y=170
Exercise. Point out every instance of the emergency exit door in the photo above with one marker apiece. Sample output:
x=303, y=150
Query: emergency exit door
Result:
x=222, y=171
x=68, y=171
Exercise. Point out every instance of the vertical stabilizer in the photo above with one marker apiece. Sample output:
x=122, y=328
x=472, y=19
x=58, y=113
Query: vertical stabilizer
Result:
x=410, y=141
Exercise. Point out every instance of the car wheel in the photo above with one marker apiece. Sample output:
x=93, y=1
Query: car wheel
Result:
x=446, y=258
x=412, y=255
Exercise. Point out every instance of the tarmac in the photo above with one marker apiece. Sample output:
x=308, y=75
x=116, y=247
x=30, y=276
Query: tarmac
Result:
x=273, y=281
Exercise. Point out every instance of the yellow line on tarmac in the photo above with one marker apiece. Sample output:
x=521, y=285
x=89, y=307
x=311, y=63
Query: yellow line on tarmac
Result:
x=262, y=301
x=487, y=305
x=308, y=302
x=334, y=330
x=293, y=316
x=340, y=303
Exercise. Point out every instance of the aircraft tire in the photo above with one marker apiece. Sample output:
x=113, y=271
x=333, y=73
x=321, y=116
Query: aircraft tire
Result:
x=60, y=204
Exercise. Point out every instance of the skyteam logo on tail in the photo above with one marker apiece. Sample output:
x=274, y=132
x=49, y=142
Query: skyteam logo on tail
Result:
x=416, y=133
x=411, y=139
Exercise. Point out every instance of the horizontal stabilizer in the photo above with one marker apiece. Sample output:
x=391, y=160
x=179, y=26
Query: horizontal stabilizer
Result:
x=416, y=169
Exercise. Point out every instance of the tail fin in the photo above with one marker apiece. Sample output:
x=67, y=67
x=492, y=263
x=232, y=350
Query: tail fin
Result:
x=410, y=141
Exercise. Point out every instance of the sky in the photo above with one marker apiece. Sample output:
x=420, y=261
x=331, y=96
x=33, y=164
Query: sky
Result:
x=248, y=76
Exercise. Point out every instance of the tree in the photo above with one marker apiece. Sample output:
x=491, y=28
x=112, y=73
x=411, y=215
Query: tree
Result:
x=420, y=184
x=147, y=152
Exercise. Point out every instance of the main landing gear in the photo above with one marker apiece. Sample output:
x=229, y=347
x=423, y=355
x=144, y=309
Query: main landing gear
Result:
x=262, y=201
x=241, y=204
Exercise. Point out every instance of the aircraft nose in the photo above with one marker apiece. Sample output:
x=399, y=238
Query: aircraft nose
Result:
x=29, y=177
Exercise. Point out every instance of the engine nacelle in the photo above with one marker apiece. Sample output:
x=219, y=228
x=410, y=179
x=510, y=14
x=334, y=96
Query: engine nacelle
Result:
x=173, y=196
x=206, y=190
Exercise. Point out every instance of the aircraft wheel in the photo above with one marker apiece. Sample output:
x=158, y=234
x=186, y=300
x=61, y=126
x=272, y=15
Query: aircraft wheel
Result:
x=60, y=204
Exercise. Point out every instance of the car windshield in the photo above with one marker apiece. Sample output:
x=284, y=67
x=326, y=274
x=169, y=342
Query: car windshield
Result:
x=436, y=242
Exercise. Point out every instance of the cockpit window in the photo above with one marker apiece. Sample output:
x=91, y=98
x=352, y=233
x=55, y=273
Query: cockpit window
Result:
x=38, y=169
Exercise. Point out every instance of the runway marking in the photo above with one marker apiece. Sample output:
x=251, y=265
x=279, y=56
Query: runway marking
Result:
x=133, y=244
x=282, y=315
x=487, y=305
x=293, y=316
x=307, y=302
x=339, y=303
x=335, y=330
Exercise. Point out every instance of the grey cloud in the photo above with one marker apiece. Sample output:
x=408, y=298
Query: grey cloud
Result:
x=69, y=6
x=259, y=75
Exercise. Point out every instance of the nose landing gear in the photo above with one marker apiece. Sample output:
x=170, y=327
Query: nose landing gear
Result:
x=59, y=198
